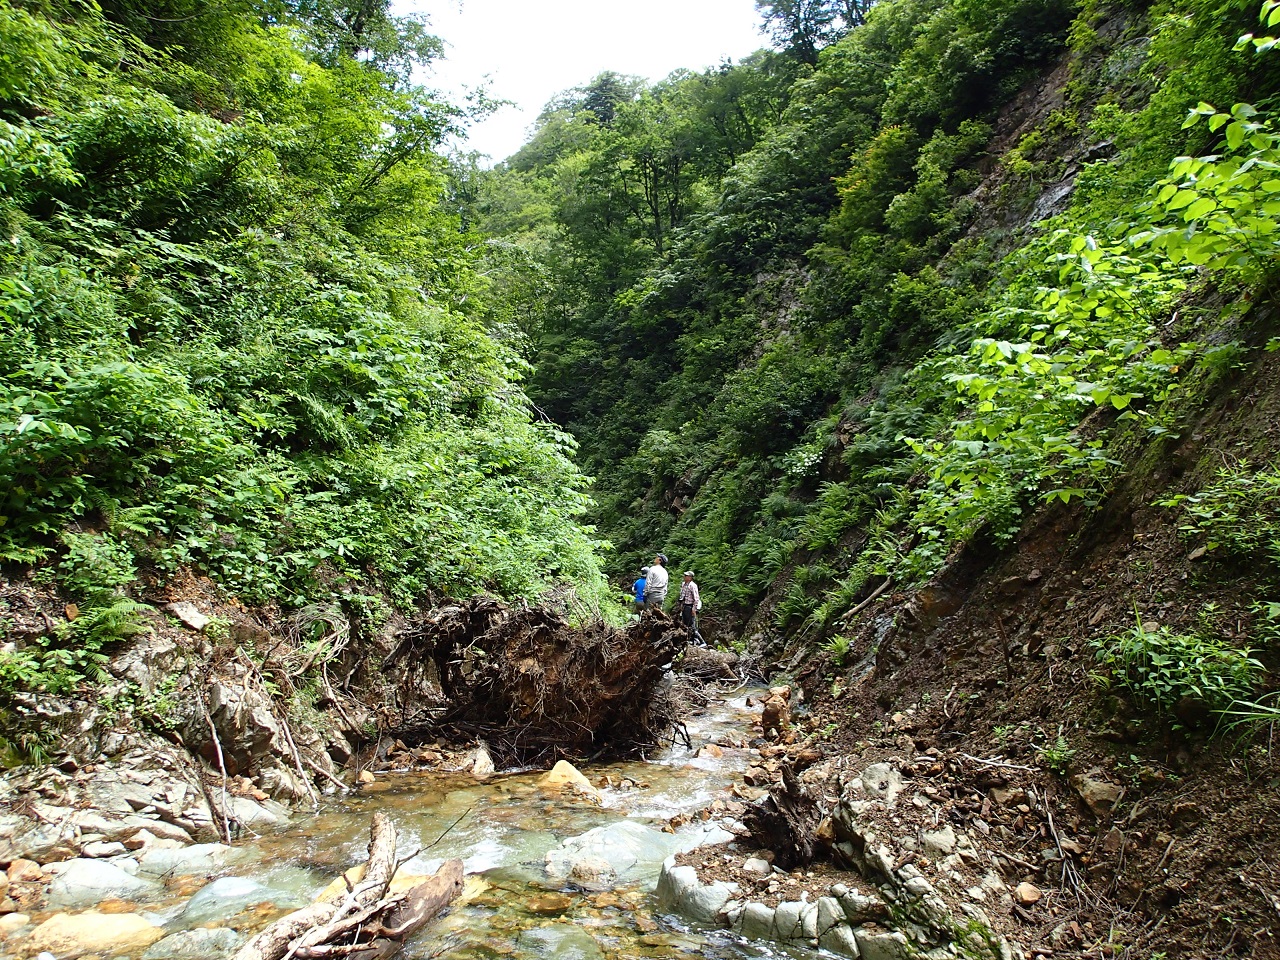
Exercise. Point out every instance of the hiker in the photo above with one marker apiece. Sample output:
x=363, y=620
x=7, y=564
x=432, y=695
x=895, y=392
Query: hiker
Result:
x=690, y=604
x=655, y=584
x=637, y=591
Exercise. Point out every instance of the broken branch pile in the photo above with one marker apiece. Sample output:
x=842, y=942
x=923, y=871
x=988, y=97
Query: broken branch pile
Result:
x=534, y=687
x=363, y=922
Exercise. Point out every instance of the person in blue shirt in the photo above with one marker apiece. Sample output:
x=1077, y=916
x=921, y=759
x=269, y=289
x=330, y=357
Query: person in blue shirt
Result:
x=638, y=590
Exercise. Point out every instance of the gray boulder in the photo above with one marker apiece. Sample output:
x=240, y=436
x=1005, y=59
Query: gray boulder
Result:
x=632, y=850
x=882, y=945
x=83, y=883
x=196, y=944
x=680, y=891
x=201, y=858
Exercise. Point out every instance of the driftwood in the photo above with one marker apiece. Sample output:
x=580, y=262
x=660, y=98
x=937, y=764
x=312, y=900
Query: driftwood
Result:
x=536, y=688
x=361, y=922
x=709, y=665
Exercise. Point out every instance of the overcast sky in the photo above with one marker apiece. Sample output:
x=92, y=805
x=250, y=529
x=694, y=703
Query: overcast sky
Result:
x=533, y=49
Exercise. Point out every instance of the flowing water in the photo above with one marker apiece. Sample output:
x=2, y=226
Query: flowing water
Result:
x=503, y=828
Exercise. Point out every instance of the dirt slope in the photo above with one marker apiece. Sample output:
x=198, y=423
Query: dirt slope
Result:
x=1142, y=840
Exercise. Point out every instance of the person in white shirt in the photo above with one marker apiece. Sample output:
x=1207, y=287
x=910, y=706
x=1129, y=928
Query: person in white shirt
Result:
x=655, y=584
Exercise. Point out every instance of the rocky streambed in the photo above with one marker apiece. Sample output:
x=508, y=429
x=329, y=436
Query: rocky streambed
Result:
x=640, y=859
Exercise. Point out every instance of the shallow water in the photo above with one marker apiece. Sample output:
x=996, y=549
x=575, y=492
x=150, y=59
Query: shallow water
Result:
x=502, y=828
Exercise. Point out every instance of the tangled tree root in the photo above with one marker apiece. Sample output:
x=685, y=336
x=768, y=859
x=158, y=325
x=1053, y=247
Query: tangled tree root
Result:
x=535, y=688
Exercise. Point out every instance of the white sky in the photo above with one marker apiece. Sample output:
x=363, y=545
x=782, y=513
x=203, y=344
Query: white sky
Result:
x=533, y=49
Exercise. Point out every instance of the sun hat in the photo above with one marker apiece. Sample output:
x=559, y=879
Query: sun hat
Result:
x=688, y=573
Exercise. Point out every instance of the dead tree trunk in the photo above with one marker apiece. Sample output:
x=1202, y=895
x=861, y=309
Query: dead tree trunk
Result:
x=786, y=821
x=363, y=922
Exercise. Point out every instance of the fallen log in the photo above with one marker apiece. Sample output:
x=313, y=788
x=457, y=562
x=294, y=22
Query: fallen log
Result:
x=361, y=922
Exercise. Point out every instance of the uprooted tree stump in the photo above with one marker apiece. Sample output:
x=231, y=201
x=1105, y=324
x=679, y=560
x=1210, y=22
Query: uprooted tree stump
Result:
x=363, y=922
x=534, y=687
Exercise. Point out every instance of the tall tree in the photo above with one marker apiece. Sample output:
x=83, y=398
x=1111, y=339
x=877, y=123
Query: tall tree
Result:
x=803, y=27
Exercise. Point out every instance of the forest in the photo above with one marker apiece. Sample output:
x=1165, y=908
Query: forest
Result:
x=939, y=337
x=246, y=329
x=822, y=318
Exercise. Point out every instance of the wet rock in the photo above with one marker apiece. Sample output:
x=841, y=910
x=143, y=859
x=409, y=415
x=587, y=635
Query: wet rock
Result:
x=251, y=813
x=594, y=873
x=228, y=896
x=195, y=945
x=839, y=940
x=481, y=763
x=66, y=936
x=756, y=922
x=559, y=941
x=565, y=776
x=680, y=891
x=787, y=920
x=83, y=883
x=630, y=850
x=775, y=717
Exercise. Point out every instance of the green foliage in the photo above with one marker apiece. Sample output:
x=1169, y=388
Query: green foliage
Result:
x=1161, y=668
x=1088, y=341
x=1237, y=517
x=724, y=276
x=1057, y=754
x=1220, y=212
x=839, y=647
x=242, y=326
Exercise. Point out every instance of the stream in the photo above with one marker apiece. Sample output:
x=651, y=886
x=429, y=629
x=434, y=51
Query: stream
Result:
x=503, y=828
